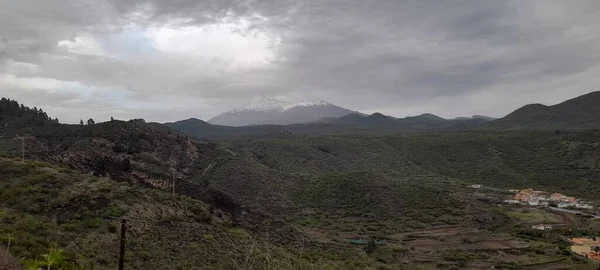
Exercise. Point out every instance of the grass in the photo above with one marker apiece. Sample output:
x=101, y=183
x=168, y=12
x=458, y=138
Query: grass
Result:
x=531, y=215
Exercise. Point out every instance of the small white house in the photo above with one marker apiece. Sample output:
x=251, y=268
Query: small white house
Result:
x=476, y=186
x=542, y=227
x=533, y=201
x=512, y=202
x=583, y=206
x=564, y=205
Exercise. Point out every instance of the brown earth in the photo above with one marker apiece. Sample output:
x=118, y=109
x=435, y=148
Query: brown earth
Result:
x=7, y=261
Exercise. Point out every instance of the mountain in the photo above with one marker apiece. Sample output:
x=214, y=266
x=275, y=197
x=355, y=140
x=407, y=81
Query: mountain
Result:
x=483, y=117
x=354, y=123
x=380, y=122
x=579, y=112
x=267, y=111
x=257, y=110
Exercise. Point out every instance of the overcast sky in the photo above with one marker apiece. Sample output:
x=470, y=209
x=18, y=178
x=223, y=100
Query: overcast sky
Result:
x=166, y=60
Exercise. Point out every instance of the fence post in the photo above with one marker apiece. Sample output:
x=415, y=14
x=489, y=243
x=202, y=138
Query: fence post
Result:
x=122, y=249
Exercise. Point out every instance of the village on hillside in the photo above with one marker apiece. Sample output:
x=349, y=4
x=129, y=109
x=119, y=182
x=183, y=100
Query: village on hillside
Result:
x=535, y=198
x=586, y=247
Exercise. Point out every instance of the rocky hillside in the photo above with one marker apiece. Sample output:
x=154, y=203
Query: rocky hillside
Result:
x=43, y=205
x=151, y=155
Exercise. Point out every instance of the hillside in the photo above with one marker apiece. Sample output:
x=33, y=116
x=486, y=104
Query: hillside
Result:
x=42, y=204
x=579, y=112
x=564, y=162
x=150, y=155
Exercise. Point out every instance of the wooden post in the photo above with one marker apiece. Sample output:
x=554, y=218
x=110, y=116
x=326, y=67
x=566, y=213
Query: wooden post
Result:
x=23, y=148
x=122, y=248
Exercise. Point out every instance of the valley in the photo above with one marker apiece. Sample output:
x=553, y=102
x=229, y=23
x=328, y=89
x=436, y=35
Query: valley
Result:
x=294, y=197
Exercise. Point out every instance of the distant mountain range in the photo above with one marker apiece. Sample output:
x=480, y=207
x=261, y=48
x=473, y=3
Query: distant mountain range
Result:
x=311, y=118
x=420, y=122
x=268, y=111
x=354, y=123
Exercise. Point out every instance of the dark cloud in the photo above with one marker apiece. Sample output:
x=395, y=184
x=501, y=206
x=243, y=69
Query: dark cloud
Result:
x=168, y=60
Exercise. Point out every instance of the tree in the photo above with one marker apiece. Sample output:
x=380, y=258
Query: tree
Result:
x=10, y=238
x=33, y=264
x=112, y=119
x=91, y=122
x=55, y=256
x=81, y=122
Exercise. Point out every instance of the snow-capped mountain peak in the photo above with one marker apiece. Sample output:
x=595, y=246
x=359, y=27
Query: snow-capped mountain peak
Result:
x=263, y=104
x=263, y=110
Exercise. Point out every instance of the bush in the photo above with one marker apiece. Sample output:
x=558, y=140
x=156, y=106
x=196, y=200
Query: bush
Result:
x=371, y=246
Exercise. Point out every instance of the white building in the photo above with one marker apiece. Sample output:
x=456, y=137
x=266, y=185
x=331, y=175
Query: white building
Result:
x=533, y=201
x=583, y=206
x=512, y=202
x=477, y=186
x=542, y=227
x=564, y=204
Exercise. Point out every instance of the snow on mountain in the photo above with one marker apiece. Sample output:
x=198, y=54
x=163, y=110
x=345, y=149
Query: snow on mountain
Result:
x=263, y=104
x=264, y=111
x=311, y=103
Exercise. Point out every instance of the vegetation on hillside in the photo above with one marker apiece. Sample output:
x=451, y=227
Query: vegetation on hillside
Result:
x=32, y=116
x=563, y=162
x=270, y=202
x=43, y=205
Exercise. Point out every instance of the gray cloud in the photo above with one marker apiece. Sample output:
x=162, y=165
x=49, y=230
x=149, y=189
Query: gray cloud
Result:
x=159, y=59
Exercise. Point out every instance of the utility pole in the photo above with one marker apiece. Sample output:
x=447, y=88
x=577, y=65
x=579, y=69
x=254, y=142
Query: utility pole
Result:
x=173, y=182
x=122, y=250
x=23, y=148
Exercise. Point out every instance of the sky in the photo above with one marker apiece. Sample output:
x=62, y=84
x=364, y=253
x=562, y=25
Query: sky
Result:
x=171, y=60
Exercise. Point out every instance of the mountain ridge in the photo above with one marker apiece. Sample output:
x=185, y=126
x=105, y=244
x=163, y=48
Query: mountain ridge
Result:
x=579, y=112
x=267, y=111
